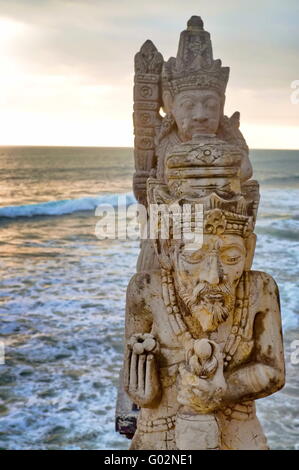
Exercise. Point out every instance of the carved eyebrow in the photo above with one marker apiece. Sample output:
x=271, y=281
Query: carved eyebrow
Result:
x=211, y=97
x=196, y=252
x=185, y=98
x=232, y=246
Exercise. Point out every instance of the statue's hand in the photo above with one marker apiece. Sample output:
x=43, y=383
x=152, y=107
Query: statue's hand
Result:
x=141, y=373
x=203, y=395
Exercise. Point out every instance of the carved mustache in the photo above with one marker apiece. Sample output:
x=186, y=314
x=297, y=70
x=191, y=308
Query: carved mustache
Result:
x=205, y=291
x=216, y=300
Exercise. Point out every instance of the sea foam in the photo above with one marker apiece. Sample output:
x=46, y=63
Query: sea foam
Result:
x=66, y=206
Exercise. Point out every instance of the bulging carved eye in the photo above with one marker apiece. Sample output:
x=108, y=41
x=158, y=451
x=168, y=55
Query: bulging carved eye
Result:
x=192, y=257
x=230, y=259
x=187, y=104
x=211, y=103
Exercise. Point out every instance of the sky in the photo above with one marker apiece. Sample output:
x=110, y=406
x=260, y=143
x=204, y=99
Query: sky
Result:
x=66, y=66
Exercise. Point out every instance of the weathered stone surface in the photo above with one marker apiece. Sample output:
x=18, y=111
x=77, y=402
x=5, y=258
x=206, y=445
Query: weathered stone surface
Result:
x=126, y=412
x=203, y=331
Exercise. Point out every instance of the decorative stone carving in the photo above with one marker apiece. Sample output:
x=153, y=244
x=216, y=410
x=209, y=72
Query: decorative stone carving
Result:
x=147, y=103
x=203, y=331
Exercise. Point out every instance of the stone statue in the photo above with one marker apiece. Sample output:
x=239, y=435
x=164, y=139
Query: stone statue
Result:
x=203, y=331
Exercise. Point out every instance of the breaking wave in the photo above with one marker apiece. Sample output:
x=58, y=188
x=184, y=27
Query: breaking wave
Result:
x=281, y=181
x=66, y=206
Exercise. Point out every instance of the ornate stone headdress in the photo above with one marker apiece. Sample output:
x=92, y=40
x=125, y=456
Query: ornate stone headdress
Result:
x=205, y=175
x=194, y=66
x=235, y=215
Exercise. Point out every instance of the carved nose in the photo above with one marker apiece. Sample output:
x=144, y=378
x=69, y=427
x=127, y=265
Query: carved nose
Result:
x=199, y=118
x=199, y=115
x=210, y=271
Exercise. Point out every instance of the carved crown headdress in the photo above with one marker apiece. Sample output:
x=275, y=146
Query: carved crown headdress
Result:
x=235, y=214
x=194, y=66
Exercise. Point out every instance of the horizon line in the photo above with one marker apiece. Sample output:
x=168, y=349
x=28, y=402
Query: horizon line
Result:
x=114, y=147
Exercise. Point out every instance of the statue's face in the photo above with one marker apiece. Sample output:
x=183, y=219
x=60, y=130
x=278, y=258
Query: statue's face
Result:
x=206, y=279
x=196, y=112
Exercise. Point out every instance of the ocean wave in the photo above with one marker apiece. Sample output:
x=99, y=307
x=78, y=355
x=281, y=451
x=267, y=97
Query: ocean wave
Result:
x=285, y=228
x=66, y=206
x=264, y=217
x=279, y=233
x=281, y=180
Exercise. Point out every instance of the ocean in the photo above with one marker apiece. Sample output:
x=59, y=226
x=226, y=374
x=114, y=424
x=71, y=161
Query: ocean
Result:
x=62, y=293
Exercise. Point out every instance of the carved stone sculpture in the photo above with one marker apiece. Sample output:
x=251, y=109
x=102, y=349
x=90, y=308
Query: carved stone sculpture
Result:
x=203, y=331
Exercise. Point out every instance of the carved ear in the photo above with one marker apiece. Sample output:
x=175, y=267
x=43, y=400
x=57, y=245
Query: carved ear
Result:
x=250, y=247
x=167, y=101
x=162, y=248
x=222, y=105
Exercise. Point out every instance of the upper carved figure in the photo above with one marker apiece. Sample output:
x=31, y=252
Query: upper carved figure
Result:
x=191, y=91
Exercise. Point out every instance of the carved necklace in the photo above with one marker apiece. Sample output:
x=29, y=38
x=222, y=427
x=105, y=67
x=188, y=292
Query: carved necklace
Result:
x=178, y=324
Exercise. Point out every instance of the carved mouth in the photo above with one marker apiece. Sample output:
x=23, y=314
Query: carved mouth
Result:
x=217, y=297
x=199, y=128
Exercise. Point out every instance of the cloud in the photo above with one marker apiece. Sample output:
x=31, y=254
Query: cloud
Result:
x=99, y=37
x=77, y=55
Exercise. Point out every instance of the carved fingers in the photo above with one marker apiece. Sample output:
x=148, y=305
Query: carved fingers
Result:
x=152, y=382
x=141, y=372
